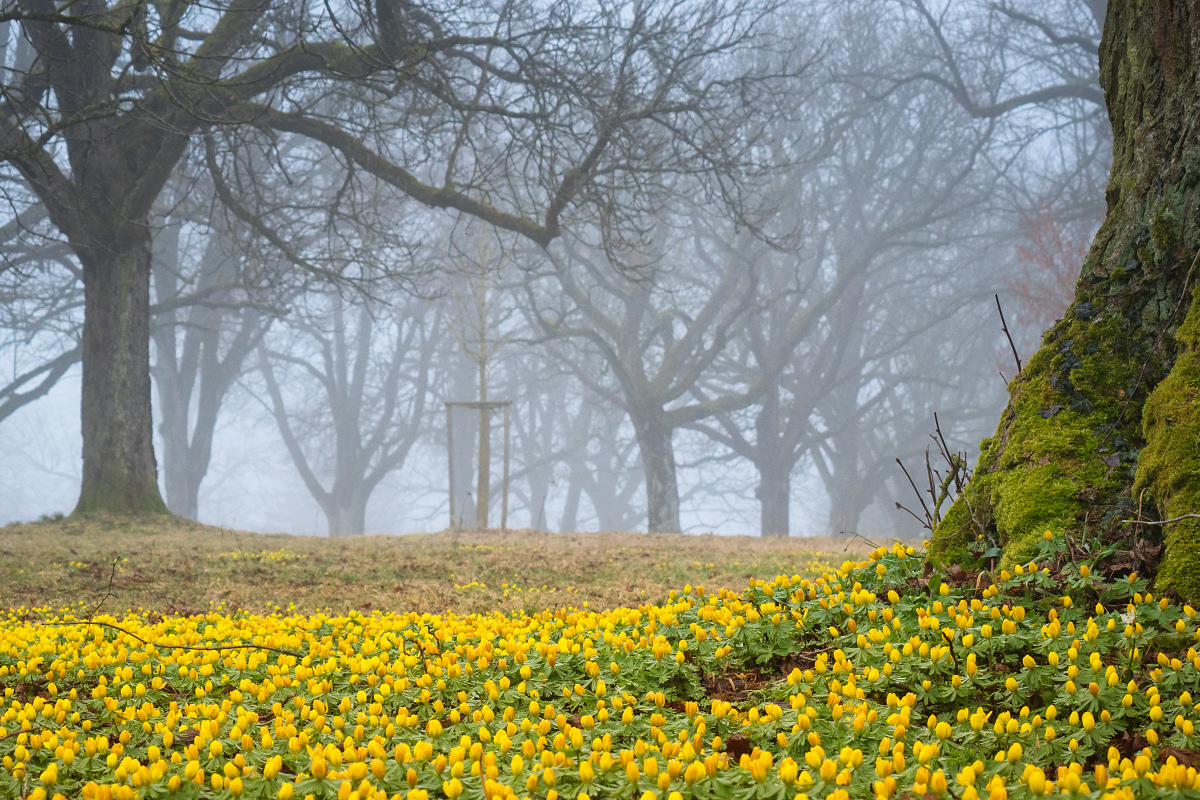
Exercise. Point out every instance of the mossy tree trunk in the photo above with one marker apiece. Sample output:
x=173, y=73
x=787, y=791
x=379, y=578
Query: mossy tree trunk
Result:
x=1094, y=428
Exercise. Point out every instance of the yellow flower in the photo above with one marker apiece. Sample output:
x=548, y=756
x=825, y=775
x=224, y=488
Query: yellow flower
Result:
x=1036, y=781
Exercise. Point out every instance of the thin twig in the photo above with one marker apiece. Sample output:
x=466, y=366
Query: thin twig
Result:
x=928, y=516
x=168, y=646
x=108, y=592
x=903, y=507
x=33, y=728
x=932, y=494
x=858, y=535
x=1158, y=521
x=1004, y=327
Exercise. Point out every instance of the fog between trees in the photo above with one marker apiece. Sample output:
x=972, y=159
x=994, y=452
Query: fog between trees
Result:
x=725, y=259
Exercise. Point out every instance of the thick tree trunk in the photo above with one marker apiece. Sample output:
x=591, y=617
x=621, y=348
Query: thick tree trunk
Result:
x=1071, y=442
x=658, y=462
x=173, y=428
x=193, y=369
x=119, y=470
x=569, y=522
x=774, y=495
x=774, y=469
x=844, y=513
x=347, y=516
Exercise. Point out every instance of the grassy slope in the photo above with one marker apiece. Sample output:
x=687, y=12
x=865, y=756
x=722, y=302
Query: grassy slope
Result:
x=173, y=565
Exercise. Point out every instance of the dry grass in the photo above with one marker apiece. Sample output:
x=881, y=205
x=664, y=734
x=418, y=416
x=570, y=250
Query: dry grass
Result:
x=173, y=565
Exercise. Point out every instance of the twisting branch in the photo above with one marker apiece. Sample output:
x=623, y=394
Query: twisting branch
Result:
x=1088, y=45
x=90, y=621
x=11, y=399
x=239, y=210
x=169, y=646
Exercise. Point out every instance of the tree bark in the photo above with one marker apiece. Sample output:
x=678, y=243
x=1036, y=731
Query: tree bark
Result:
x=346, y=513
x=569, y=522
x=774, y=458
x=191, y=373
x=774, y=496
x=120, y=474
x=1070, y=448
x=844, y=513
x=658, y=460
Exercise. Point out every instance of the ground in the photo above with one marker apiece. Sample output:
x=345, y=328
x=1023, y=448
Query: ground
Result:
x=169, y=565
x=642, y=667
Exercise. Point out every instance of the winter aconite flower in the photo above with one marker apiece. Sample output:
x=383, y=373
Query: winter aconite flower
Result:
x=887, y=690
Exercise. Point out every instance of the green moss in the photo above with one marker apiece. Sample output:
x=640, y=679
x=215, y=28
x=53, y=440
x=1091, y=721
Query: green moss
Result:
x=1077, y=430
x=1046, y=463
x=116, y=498
x=1029, y=501
x=1164, y=229
x=1169, y=466
x=957, y=529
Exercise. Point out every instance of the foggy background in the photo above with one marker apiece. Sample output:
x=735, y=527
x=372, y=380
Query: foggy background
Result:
x=927, y=157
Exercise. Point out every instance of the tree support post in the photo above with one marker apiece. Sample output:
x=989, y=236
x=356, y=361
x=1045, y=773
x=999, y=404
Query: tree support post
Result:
x=485, y=408
x=450, y=458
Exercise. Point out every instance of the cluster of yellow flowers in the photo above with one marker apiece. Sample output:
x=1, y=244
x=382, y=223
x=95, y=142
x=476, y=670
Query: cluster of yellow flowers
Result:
x=281, y=556
x=885, y=684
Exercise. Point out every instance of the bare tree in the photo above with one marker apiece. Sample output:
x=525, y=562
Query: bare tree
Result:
x=969, y=52
x=656, y=326
x=200, y=349
x=606, y=469
x=569, y=448
x=357, y=398
x=1031, y=66
x=41, y=303
x=527, y=116
x=900, y=219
